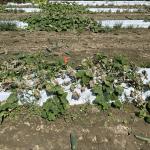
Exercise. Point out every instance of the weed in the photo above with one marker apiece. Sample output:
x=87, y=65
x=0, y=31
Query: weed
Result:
x=7, y=26
x=2, y=8
x=118, y=11
x=117, y=26
x=107, y=29
x=130, y=27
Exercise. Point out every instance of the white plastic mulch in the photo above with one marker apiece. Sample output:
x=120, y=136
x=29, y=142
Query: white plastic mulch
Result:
x=83, y=96
x=145, y=81
x=125, y=23
x=113, y=10
x=28, y=10
x=21, y=4
x=107, y=3
x=91, y=3
x=19, y=24
x=141, y=94
x=4, y=95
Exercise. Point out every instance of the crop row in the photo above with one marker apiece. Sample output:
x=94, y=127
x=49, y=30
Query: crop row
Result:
x=52, y=86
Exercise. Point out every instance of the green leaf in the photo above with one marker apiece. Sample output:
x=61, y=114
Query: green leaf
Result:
x=55, y=106
x=148, y=107
x=107, y=83
x=80, y=74
x=121, y=60
x=85, y=76
x=141, y=113
x=104, y=105
x=147, y=119
x=97, y=89
x=11, y=103
x=2, y=116
x=118, y=90
x=117, y=104
x=89, y=74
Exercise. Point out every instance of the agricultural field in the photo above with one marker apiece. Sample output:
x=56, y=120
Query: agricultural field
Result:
x=74, y=75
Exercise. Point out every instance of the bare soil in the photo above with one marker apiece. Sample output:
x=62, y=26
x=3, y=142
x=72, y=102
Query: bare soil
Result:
x=97, y=16
x=115, y=16
x=133, y=43
x=94, y=129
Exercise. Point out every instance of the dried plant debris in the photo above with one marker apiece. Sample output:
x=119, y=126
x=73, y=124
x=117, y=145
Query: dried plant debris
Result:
x=143, y=138
x=54, y=85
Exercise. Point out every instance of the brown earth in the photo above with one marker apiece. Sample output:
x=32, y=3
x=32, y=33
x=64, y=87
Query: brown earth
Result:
x=133, y=43
x=115, y=16
x=97, y=16
x=94, y=129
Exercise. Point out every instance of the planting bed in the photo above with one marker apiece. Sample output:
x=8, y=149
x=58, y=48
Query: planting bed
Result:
x=28, y=10
x=113, y=10
x=18, y=24
x=125, y=23
x=70, y=82
x=115, y=3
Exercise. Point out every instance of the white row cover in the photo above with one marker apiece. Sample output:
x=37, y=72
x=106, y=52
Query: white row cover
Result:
x=26, y=9
x=21, y=4
x=4, y=95
x=19, y=24
x=114, y=10
x=105, y=23
x=125, y=23
x=91, y=3
x=106, y=3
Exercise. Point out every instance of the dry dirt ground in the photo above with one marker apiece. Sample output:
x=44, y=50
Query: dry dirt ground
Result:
x=99, y=16
x=94, y=130
x=133, y=43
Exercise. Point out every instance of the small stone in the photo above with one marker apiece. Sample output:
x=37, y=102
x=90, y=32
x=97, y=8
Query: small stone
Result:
x=75, y=96
x=80, y=138
x=63, y=76
x=94, y=139
x=91, y=84
x=27, y=123
x=85, y=130
x=36, y=147
x=72, y=87
x=82, y=89
x=66, y=83
x=40, y=127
